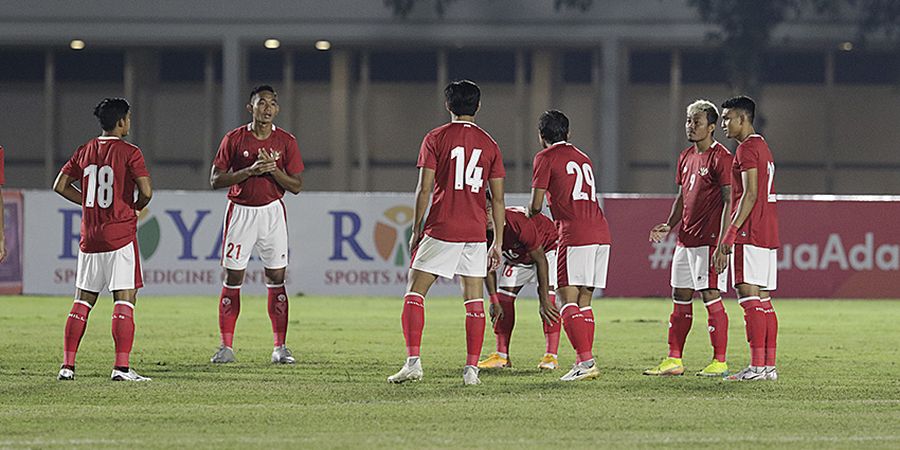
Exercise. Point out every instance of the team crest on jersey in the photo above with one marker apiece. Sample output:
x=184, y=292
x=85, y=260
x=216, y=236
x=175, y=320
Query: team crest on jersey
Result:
x=704, y=171
x=246, y=153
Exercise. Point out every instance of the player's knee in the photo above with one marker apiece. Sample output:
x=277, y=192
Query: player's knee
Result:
x=275, y=276
x=234, y=277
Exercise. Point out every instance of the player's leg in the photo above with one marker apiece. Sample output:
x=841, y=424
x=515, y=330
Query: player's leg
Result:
x=238, y=237
x=277, y=307
x=473, y=300
x=552, y=330
x=503, y=327
x=573, y=324
x=717, y=322
x=124, y=284
x=746, y=268
x=680, y=321
x=76, y=323
x=413, y=323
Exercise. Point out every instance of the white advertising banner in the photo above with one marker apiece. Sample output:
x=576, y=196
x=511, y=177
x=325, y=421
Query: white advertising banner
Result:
x=340, y=244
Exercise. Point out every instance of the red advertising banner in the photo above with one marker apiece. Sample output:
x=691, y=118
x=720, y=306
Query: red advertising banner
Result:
x=832, y=247
x=11, y=268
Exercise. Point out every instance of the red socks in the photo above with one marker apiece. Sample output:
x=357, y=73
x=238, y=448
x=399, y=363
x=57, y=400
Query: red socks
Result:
x=413, y=321
x=551, y=332
x=229, y=309
x=123, y=331
x=588, y=330
x=278, y=313
x=718, y=328
x=76, y=323
x=474, y=330
x=771, y=330
x=679, y=325
x=574, y=324
x=755, y=321
x=503, y=328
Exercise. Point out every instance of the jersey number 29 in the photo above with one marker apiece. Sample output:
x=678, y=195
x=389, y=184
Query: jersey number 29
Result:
x=98, y=186
x=472, y=174
x=583, y=175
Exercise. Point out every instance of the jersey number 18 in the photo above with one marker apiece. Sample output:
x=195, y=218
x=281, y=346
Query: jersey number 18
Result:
x=98, y=186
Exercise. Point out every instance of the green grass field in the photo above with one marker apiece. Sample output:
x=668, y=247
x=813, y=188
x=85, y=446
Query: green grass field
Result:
x=838, y=362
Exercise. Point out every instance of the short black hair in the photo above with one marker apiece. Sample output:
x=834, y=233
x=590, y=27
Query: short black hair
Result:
x=110, y=110
x=553, y=126
x=743, y=103
x=462, y=97
x=261, y=88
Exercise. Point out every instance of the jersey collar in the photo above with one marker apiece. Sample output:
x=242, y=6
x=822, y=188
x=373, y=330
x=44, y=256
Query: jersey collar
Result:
x=250, y=126
x=107, y=138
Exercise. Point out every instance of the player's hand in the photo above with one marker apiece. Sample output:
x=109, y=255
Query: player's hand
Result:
x=414, y=240
x=261, y=167
x=493, y=258
x=659, y=232
x=549, y=313
x=2, y=249
x=264, y=155
x=720, y=258
x=496, y=312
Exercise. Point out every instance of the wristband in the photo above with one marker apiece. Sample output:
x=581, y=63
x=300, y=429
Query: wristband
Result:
x=730, y=236
x=495, y=300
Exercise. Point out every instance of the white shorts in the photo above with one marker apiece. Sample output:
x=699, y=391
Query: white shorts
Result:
x=260, y=228
x=754, y=265
x=446, y=259
x=583, y=265
x=516, y=275
x=115, y=270
x=694, y=268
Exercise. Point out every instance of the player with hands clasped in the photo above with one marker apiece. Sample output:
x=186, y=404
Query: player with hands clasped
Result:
x=109, y=171
x=565, y=176
x=459, y=161
x=750, y=244
x=703, y=210
x=258, y=162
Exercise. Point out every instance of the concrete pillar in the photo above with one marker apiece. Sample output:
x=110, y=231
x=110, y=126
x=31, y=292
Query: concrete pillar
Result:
x=676, y=110
x=443, y=75
x=543, y=81
x=360, y=120
x=288, y=102
x=612, y=74
x=50, y=169
x=341, y=77
x=829, y=124
x=233, y=62
x=210, y=142
x=524, y=148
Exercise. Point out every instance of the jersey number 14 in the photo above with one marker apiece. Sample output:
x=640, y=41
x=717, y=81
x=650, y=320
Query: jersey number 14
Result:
x=472, y=175
x=97, y=185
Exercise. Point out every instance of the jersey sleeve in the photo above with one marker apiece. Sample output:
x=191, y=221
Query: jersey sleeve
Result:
x=678, y=169
x=747, y=157
x=541, y=176
x=723, y=168
x=293, y=162
x=427, y=157
x=223, y=156
x=497, y=169
x=72, y=168
x=2, y=172
x=136, y=166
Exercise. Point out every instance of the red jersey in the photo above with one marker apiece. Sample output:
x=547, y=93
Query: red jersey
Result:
x=761, y=227
x=522, y=235
x=463, y=157
x=2, y=176
x=568, y=176
x=107, y=167
x=701, y=177
x=240, y=149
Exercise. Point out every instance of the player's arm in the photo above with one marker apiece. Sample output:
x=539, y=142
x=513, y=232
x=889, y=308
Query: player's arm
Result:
x=537, y=202
x=423, y=195
x=744, y=207
x=219, y=178
x=2, y=232
x=145, y=192
x=64, y=186
x=499, y=215
x=658, y=232
x=494, y=309
x=290, y=183
x=546, y=308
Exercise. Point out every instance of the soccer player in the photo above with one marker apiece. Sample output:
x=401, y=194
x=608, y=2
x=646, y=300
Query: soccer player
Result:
x=565, y=176
x=703, y=207
x=753, y=234
x=529, y=255
x=457, y=160
x=2, y=235
x=108, y=170
x=258, y=162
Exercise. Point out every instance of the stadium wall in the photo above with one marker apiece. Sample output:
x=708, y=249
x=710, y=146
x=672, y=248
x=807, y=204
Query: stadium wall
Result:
x=355, y=244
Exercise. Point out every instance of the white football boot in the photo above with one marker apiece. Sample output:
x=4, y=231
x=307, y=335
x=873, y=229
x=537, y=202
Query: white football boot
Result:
x=282, y=355
x=66, y=374
x=223, y=355
x=131, y=375
x=750, y=373
x=470, y=376
x=409, y=372
x=770, y=373
x=581, y=371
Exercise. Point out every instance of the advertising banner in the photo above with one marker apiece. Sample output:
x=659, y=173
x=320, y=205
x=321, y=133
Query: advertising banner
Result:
x=356, y=244
x=11, y=269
